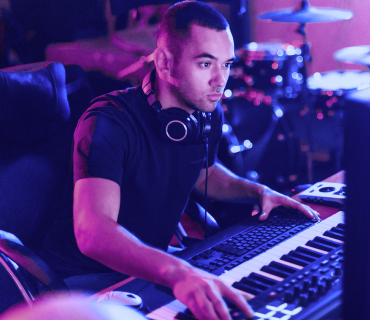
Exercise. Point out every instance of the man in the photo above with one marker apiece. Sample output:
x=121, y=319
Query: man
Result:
x=133, y=174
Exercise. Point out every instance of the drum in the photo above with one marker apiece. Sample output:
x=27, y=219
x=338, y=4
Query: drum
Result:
x=264, y=147
x=328, y=89
x=271, y=67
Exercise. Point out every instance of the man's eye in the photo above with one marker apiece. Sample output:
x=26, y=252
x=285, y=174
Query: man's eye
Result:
x=228, y=64
x=205, y=64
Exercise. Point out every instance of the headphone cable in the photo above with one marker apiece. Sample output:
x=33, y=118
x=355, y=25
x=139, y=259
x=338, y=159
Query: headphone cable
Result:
x=205, y=191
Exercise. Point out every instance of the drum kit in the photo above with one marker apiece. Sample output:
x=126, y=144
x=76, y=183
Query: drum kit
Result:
x=266, y=74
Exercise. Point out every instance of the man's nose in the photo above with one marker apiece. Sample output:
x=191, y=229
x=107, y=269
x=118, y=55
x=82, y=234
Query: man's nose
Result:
x=219, y=77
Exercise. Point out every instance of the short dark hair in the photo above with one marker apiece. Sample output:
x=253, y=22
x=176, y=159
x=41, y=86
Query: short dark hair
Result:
x=181, y=16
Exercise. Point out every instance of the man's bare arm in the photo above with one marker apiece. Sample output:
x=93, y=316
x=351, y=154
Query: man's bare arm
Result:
x=100, y=237
x=225, y=185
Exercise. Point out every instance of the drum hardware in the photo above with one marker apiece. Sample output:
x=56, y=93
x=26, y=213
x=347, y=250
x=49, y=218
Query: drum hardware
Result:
x=357, y=54
x=329, y=89
x=307, y=14
x=271, y=68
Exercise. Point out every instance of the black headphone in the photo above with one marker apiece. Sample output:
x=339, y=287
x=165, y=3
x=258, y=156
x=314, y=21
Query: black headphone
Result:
x=178, y=125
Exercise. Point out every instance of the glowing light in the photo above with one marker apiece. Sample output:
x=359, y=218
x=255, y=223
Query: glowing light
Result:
x=252, y=46
x=330, y=93
x=293, y=177
x=299, y=59
x=247, y=79
x=256, y=102
x=273, y=80
x=253, y=94
x=278, y=112
x=228, y=93
x=280, y=53
x=320, y=116
x=253, y=174
x=298, y=51
x=247, y=144
x=317, y=75
x=280, y=137
x=279, y=78
x=289, y=89
x=267, y=100
x=260, y=96
x=235, y=149
x=226, y=128
x=294, y=75
x=274, y=65
x=334, y=99
x=290, y=50
x=329, y=103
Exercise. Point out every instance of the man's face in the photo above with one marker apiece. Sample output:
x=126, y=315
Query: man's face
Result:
x=203, y=68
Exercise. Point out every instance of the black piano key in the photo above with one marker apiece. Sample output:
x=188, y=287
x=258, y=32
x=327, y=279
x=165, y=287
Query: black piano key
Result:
x=294, y=260
x=254, y=283
x=283, y=267
x=186, y=315
x=263, y=279
x=334, y=235
x=302, y=256
x=275, y=272
x=341, y=225
x=246, y=288
x=338, y=230
x=309, y=252
x=318, y=245
x=327, y=242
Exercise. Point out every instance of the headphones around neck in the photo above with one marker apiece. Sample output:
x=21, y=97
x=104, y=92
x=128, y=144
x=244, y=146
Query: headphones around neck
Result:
x=177, y=125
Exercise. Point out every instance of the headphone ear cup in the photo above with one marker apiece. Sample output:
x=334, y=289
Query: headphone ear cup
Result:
x=178, y=126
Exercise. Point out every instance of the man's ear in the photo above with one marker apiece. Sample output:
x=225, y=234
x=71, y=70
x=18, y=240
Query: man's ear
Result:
x=163, y=61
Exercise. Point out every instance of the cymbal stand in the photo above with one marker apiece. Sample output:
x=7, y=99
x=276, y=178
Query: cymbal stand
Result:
x=306, y=98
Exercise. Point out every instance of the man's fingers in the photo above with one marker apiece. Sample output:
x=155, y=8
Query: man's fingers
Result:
x=263, y=216
x=306, y=210
x=247, y=296
x=202, y=308
x=237, y=299
x=219, y=305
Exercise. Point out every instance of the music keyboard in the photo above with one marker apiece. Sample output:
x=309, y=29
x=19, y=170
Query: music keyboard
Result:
x=289, y=281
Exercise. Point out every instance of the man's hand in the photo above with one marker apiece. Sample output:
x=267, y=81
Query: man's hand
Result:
x=203, y=294
x=271, y=199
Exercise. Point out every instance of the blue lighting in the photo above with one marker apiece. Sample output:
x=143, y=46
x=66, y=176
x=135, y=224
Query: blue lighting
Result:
x=226, y=128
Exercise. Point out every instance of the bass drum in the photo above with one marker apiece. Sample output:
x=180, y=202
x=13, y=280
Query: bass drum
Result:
x=260, y=145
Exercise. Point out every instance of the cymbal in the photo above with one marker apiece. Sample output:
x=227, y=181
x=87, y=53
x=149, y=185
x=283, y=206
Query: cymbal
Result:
x=308, y=14
x=358, y=54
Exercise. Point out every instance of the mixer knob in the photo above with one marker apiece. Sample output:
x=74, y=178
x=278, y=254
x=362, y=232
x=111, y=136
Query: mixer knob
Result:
x=297, y=290
x=303, y=299
x=314, y=280
x=337, y=271
x=312, y=294
x=289, y=297
x=322, y=287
